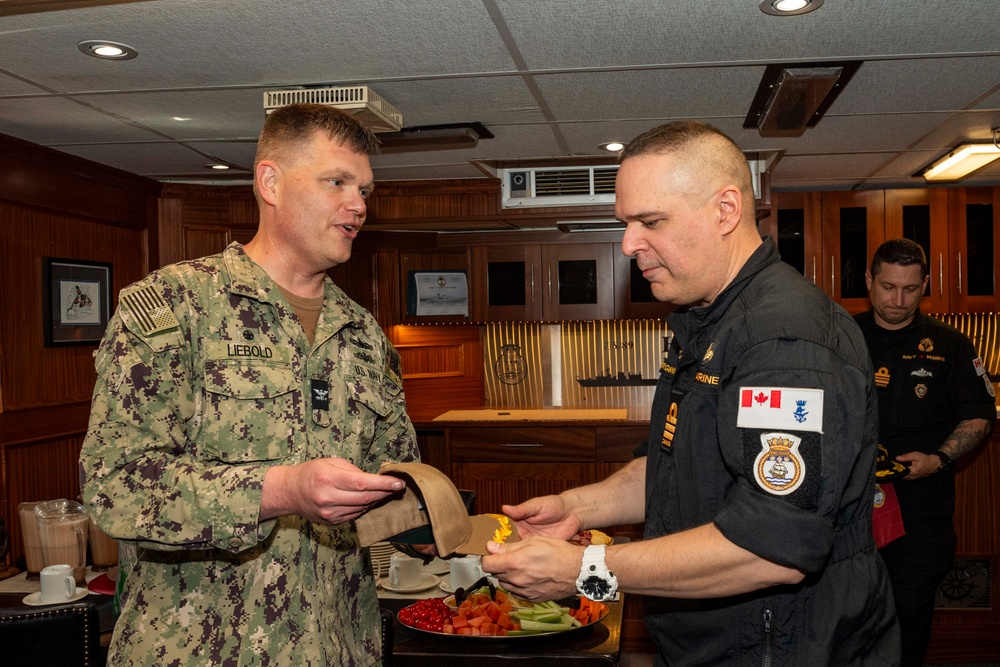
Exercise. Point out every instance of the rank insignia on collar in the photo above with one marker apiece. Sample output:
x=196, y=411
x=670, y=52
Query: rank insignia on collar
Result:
x=320, y=390
x=926, y=345
x=920, y=390
x=778, y=468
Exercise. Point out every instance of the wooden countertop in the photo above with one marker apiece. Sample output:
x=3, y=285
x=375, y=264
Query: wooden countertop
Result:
x=631, y=416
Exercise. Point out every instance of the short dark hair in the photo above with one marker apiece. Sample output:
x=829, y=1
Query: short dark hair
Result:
x=724, y=157
x=902, y=252
x=291, y=125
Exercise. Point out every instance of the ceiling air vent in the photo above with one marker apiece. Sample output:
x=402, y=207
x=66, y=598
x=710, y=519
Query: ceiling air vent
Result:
x=360, y=101
x=558, y=186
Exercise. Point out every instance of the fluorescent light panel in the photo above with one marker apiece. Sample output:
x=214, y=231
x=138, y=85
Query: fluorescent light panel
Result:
x=965, y=159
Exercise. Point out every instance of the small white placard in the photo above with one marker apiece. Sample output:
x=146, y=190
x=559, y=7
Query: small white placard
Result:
x=445, y=293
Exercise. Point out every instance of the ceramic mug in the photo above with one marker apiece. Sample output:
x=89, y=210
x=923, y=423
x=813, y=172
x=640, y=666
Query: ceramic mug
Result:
x=58, y=584
x=404, y=571
x=466, y=571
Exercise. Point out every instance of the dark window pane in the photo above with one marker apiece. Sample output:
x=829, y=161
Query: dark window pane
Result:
x=917, y=227
x=853, y=252
x=791, y=237
x=639, y=288
x=577, y=281
x=506, y=283
x=979, y=236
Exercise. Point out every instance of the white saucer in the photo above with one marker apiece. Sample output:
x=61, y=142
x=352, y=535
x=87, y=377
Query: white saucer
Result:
x=437, y=566
x=35, y=599
x=447, y=587
x=430, y=581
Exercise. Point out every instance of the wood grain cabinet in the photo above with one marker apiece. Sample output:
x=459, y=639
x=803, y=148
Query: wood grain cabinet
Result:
x=853, y=227
x=974, y=246
x=921, y=215
x=510, y=464
x=546, y=282
x=797, y=229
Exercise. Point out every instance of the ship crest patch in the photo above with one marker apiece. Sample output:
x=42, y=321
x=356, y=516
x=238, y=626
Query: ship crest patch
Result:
x=920, y=390
x=779, y=469
x=879, y=496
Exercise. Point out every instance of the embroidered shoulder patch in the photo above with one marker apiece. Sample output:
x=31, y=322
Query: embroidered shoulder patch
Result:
x=779, y=468
x=792, y=408
x=148, y=310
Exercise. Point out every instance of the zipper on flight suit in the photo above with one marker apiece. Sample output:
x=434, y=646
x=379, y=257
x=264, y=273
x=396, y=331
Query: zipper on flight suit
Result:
x=767, y=649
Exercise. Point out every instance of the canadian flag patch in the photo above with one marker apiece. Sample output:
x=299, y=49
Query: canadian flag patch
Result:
x=789, y=408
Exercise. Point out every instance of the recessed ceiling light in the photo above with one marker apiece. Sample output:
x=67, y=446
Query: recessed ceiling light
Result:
x=217, y=166
x=179, y=118
x=613, y=146
x=789, y=7
x=107, y=50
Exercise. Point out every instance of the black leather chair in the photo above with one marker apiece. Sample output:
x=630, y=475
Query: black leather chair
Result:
x=388, y=637
x=65, y=635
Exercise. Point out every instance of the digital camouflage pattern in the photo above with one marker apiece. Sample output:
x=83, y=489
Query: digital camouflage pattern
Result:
x=191, y=407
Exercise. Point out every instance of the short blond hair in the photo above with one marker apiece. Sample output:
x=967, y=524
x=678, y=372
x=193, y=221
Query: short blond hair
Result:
x=289, y=127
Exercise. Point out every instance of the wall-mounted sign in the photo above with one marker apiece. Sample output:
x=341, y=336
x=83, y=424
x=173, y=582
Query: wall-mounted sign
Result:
x=437, y=293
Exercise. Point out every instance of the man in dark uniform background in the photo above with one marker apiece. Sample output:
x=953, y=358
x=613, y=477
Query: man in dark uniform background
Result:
x=936, y=403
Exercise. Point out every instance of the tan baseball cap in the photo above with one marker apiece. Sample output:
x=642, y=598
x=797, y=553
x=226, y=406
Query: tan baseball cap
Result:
x=431, y=499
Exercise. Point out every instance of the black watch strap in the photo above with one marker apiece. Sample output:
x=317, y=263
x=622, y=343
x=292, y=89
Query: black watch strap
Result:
x=946, y=461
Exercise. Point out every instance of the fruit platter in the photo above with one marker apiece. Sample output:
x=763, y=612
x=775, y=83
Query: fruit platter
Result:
x=490, y=612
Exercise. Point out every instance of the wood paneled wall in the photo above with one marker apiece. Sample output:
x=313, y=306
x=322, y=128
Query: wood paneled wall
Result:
x=974, y=635
x=54, y=205
x=442, y=368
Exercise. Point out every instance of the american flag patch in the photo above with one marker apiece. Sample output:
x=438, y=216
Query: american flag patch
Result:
x=148, y=310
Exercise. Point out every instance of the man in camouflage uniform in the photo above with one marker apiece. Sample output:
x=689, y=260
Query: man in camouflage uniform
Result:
x=242, y=406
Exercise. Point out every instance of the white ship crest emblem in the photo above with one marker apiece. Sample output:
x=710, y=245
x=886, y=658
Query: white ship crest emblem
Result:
x=779, y=467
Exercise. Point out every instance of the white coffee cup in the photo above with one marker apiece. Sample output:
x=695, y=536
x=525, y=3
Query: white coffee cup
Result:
x=58, y=584
x=404, y=571
x=466, y=570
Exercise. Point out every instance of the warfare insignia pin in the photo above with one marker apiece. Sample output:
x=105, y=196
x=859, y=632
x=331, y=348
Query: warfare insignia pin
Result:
x=779, y=468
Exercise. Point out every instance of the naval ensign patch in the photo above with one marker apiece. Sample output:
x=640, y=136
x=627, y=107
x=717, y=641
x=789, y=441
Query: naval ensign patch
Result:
x=786, y=408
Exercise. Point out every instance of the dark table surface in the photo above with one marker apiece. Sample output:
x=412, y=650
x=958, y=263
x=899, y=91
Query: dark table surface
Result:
x=105, y=606
x=598, y=644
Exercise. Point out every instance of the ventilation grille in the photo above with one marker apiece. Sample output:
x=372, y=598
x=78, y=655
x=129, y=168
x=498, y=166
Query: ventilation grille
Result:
x=559, y=186
x=560, y=183
x=361, y=101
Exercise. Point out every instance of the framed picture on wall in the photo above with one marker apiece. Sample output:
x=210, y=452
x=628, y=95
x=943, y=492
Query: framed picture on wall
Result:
x=77, y=301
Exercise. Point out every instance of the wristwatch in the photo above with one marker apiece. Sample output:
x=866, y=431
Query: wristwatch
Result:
x=946, y=461
x=596, y=581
